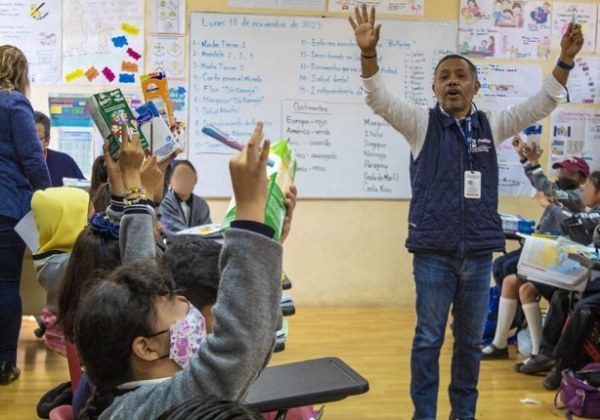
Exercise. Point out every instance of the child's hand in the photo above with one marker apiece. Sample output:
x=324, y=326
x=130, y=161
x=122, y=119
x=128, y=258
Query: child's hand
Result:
x=113, y=170
x=542, y=199
x=518, y=146
x=290, y=204
x=533, y=154
x=131, y=157
x=249, y=177
x=151, y=176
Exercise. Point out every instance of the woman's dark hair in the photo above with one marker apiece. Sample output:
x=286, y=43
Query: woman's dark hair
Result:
x=594, y=178
x=194, y=265
x=99, y=174
x=167, y=180
x=101, y=197
x=116, y=311
x=93, y=255
x=199, y=408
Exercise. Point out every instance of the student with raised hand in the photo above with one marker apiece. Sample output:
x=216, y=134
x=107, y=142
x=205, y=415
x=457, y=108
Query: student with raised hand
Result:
x=103, y=245
x=565, y=191
x=560, y=200
x=454, y=226
x=193, y=262
x=565, y=349
x=124, y=326
x=22, y=171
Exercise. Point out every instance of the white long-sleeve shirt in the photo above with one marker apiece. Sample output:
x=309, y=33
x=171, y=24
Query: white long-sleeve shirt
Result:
x=412, y=120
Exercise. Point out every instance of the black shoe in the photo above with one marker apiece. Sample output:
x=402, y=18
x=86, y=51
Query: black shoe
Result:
x=496, y=353
x=552, y=381
x=517, y=366
x=537, y=364
x=8, y=372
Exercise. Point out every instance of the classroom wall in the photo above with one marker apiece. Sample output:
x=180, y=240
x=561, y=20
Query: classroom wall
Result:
x=351, y=252
x=344, y=252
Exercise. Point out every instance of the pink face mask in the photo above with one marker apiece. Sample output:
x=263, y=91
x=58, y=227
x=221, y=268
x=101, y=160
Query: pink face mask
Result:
x=185, y=337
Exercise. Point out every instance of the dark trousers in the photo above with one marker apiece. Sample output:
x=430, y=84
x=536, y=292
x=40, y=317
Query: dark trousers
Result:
x=556, y=317
x=12, y=249
x=569, y=349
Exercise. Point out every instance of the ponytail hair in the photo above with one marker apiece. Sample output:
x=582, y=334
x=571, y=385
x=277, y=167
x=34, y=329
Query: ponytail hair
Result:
x=96, y=404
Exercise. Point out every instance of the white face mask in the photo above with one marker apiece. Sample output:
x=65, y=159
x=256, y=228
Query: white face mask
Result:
x=185, y=337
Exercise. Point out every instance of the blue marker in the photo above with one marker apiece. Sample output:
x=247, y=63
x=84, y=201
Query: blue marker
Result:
x=217, y=134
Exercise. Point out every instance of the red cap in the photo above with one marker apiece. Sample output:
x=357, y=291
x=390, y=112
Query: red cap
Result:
x=574, y=164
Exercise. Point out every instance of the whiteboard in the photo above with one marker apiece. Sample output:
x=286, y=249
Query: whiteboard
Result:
x=301, y=77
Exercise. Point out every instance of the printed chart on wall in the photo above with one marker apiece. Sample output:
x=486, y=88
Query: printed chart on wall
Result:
x=505, y=29
x=179, y=101
x=103, y=41
x=503, y=85
x=584, y=80
x=166, y=53
x=410, y=7
x=585, y=14
x=575, y=132
x=77, y=143
x=312, y=97
x=168, y=17
x=34, y=27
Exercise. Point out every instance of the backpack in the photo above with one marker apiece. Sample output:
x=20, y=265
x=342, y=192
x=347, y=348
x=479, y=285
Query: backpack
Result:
x=578, y=392
x=492, y=317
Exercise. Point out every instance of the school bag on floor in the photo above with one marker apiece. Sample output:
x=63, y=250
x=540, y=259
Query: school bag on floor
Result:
x=579, y=392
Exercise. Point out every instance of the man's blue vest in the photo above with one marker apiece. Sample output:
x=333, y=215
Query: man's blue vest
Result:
x=441, y=219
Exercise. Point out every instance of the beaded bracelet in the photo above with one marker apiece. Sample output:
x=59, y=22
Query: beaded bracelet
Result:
x=133, y=201
x=133, y=190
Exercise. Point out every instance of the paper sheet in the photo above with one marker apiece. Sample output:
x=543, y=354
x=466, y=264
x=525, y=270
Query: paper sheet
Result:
x=28, y=232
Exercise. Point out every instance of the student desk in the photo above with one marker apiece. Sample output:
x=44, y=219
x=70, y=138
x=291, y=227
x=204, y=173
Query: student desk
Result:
x=309, y=382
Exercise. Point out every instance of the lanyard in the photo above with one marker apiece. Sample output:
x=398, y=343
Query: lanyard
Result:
x=467, y=134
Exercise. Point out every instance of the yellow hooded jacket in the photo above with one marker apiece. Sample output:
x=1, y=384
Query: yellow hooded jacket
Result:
x=60, y=215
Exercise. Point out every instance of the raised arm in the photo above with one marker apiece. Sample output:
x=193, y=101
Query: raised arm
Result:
x=507, y=122
x=410, y=120
x=367, y=37
x=247, y=309
x=136, y=238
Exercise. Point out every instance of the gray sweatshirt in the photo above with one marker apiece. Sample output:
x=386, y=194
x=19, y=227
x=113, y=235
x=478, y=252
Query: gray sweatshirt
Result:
x=247, y=313
x=570, y=199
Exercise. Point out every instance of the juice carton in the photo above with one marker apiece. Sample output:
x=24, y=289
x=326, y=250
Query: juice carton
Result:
x=156, y=89
x=106, y=110
x=162, y=142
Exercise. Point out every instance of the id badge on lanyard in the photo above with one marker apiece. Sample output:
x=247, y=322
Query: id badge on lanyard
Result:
x=472, y=181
